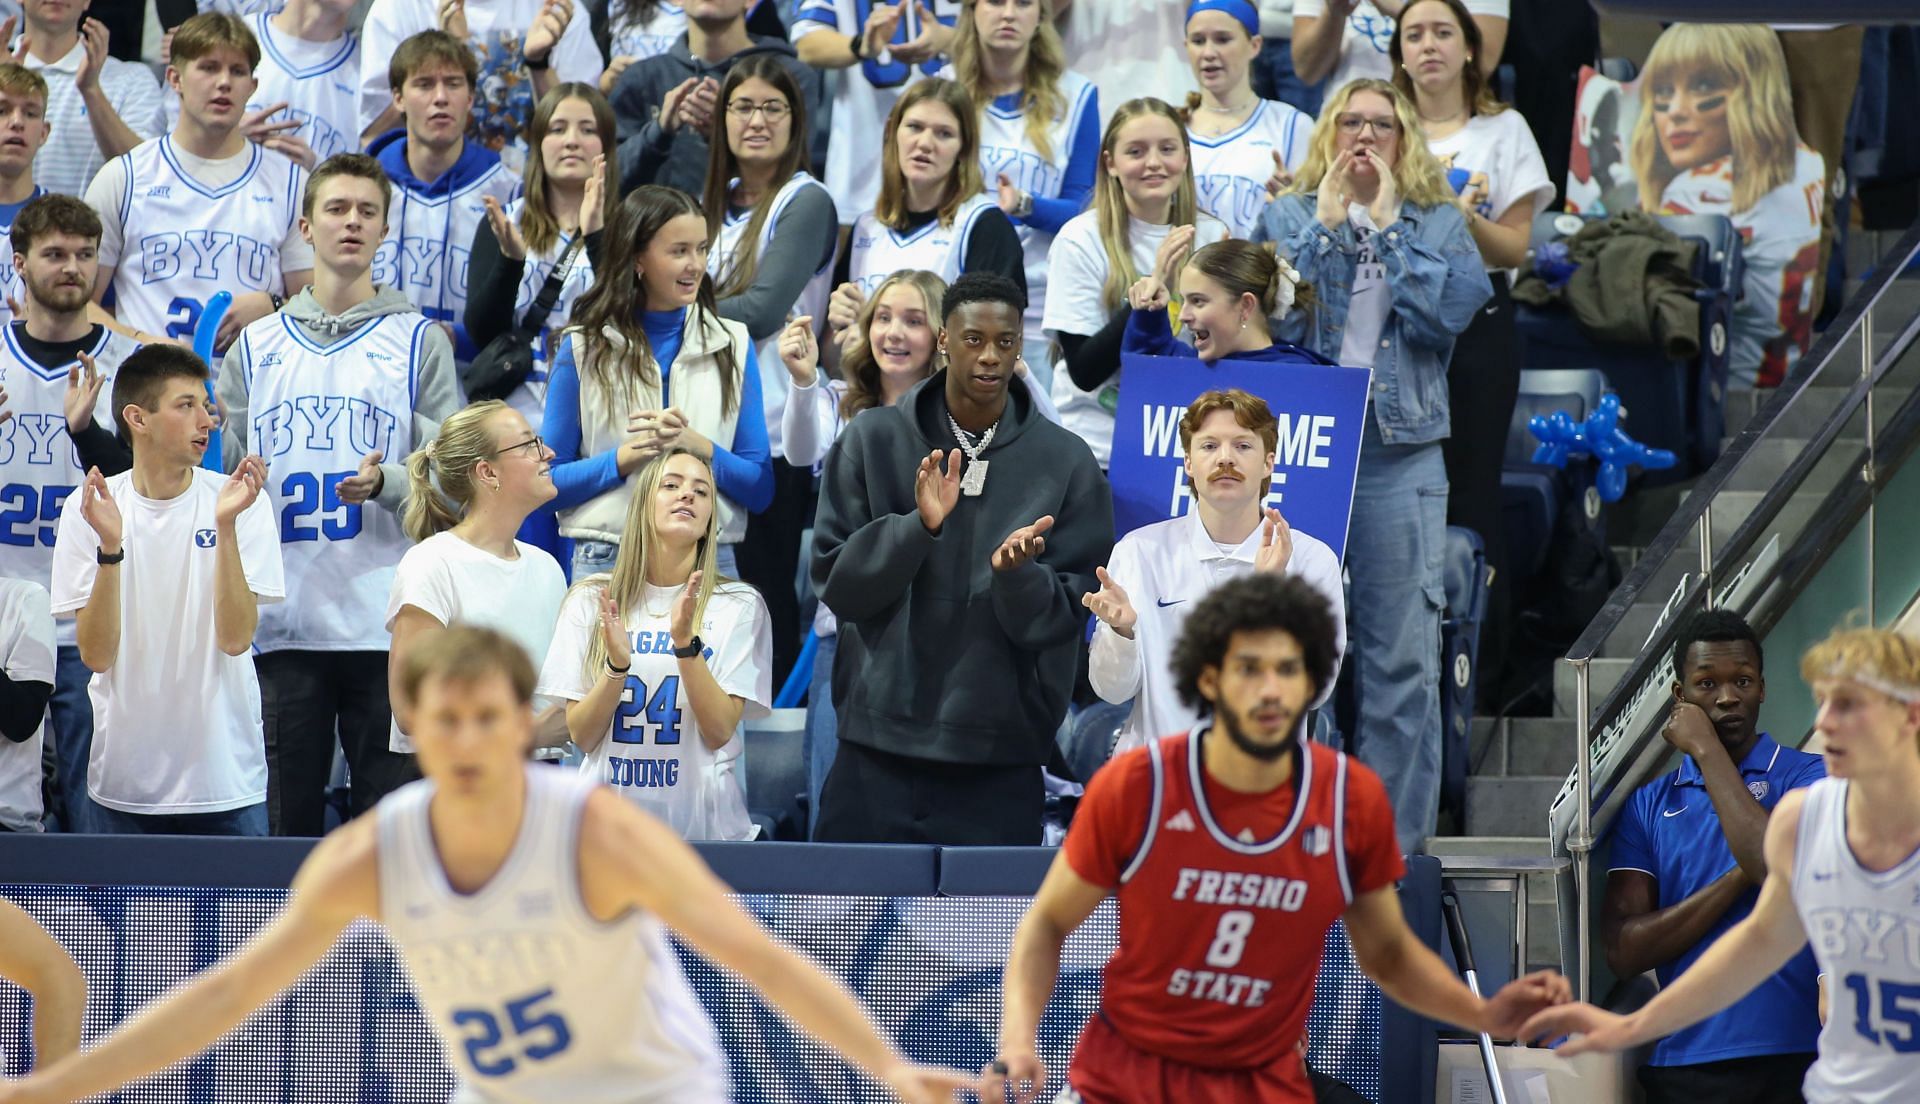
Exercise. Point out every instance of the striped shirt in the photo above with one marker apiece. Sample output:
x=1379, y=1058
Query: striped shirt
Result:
x=71, y=156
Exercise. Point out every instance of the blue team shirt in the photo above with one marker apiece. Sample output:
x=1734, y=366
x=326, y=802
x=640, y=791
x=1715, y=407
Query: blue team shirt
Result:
x=1669, y=829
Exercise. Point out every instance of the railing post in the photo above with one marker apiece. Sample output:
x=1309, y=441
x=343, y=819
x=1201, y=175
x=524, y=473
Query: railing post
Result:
x=1869, y=473
x=1706, y=554
x=1580, y=844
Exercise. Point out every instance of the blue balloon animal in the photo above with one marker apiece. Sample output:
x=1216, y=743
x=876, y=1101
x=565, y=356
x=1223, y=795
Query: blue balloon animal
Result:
x=1600, y=437
x=203, y=335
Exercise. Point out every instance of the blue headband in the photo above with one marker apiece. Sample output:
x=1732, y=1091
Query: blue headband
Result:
x=1242, y=11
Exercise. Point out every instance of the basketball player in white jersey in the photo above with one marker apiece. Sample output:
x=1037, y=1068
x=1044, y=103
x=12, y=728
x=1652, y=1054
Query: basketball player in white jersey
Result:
x=36, y=962
x=53, y=243
x=311, y=63
x=23, y=130
x=1843, y=870
x=324, y=390
x=201, y=210
x=490, y=852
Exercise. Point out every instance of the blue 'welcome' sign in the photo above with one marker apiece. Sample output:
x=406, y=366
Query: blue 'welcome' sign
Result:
x=1321, y=412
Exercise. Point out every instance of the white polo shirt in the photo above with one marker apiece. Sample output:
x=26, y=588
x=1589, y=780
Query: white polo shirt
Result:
x=71, y=157
x=1165, y=568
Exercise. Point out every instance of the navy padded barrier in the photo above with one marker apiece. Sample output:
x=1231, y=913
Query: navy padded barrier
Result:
x=1762, y=11
x=927, y=967
x=993, y=871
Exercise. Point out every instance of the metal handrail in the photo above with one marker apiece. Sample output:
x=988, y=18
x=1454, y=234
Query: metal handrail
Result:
x=1855, y=321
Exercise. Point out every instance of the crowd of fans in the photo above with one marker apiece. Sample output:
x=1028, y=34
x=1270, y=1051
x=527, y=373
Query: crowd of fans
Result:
x=526, y=292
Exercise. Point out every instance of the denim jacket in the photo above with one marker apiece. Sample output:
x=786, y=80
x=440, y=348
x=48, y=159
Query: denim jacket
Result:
x=1436, y=278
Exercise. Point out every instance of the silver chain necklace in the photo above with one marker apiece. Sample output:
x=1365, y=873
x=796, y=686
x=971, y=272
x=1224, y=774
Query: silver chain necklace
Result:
x=974, y=479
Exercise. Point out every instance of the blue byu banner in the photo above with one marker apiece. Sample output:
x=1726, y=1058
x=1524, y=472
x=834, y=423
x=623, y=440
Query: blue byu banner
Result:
x=1321, y=412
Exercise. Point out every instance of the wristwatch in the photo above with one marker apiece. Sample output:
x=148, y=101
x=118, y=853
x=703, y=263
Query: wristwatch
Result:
x=855, y=43
x=693, y=648
x=104, y=560
x=1025, y=206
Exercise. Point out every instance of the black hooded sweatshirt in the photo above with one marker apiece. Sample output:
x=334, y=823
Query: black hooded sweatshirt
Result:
x=941, y=657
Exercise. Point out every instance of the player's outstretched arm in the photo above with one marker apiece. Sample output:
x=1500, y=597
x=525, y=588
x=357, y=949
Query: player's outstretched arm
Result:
x=629, y=859
x=338, y=882
x=1407, y=971
x=1749, y=953
x=36, y=962
x=1064, y=902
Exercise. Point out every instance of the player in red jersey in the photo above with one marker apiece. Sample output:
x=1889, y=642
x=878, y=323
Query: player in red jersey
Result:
x=1232, y=849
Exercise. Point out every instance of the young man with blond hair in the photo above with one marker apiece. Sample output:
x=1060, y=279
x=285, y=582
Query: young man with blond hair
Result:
x=1230, y=440
x=23, y=133
x=99, y=105
x=202, y=210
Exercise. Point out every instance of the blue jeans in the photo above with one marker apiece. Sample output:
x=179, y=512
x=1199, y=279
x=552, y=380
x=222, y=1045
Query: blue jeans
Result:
x=248, y=820
x=820, y=738
x=1395, y=548
x=592, y=557
x=72, y=735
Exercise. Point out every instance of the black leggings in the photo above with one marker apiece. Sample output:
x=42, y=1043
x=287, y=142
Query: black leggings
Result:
x=1483, y=381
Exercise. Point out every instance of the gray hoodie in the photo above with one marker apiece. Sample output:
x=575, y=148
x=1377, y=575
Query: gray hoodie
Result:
x=436, y=395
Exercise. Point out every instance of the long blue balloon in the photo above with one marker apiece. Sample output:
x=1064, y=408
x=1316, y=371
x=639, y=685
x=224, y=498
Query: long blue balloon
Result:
x=203, y=335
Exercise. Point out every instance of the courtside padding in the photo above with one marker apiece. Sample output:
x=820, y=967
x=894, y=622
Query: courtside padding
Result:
x=918, y=933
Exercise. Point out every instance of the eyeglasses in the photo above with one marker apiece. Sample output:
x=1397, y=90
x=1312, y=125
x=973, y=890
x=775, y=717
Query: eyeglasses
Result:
x=1385, y=125
x=772, y=110
x=534, y=444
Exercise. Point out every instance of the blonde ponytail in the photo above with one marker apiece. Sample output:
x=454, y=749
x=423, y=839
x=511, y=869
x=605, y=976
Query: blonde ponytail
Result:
x=464, y=441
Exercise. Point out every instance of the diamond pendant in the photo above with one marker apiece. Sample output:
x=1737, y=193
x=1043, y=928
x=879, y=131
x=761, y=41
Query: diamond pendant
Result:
x=974, y=479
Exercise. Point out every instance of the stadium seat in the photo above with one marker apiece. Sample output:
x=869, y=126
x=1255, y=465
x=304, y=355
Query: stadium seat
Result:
x=776, y=772
x=1533, y=495
x=1467, y=577
x=1677, y=405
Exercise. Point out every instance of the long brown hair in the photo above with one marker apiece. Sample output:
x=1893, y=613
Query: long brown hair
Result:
x=537, y=225
x=607, y=316
x=1246, y=268
x=1040, y=98
x=723, y=167
x=1110, y=197
x=858, y=368
x=965, y=183
x=1475, y=92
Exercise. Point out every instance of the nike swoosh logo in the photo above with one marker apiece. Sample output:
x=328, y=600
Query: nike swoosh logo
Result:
x=1674, y=812
x=1819, y=877
x=1164, y=603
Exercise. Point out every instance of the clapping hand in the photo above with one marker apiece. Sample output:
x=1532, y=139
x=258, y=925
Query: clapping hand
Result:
x=83, y=394
x=453, y=18
x=680, y=622
x=800, y=352
x=1276, y=544
x=364, y=483
x=1022, y=545
x=513, y=244
x=547, y=28
x=935, y=492
x=25, y=45
x=593, y=198
x=240, y=489
x=1173, y=254
x=613, y=629
x=1111, y=605
x=1336, y=190
x=1007, y=195
x=691, y=103
x=101, y=512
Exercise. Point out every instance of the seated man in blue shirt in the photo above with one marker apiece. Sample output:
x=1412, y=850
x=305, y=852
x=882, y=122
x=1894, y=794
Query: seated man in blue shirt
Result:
x=1687, y=862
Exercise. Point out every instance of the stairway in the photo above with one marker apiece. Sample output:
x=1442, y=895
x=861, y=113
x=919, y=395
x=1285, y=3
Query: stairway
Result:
x=1520, y=763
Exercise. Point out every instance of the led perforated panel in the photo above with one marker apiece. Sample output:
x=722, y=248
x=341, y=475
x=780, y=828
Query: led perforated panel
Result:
x=928, y=969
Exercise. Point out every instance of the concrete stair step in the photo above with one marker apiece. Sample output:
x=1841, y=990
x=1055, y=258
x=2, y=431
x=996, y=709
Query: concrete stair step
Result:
x=1521, y=746
x=1510, y=806
x=1730, y=509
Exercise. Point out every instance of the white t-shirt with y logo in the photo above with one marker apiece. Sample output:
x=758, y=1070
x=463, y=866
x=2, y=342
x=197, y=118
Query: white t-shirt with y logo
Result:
x=1368, y=35
x=176, y=721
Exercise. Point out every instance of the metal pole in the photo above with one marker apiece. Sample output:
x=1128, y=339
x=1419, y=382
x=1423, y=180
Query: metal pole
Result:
x=1463, y=958
x=1706, y=552
x=1582, y=842
x=1868, y=473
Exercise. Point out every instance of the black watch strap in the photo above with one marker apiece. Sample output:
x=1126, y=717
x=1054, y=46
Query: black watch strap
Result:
x=694, y=647
x=855, y=42
x=105, y=560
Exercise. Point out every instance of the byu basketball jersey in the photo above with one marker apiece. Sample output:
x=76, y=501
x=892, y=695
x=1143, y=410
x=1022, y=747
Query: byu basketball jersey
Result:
x=1865, y=931
x=182, y=241
x=429, y=242
x=38, y=465
x=530, y=398
x=1231, y=170
x=314, y=412
x=1006, y=148
x=12, y=290
x=879, y=251
x=319, y=83
x=655, y=35
x=534, y=1000
x=812, y=302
